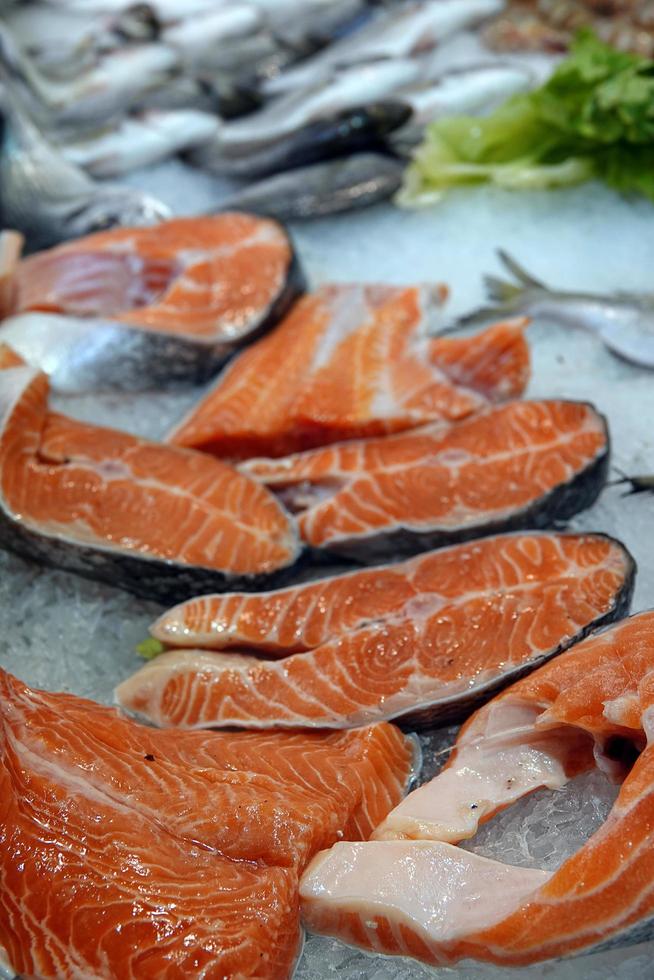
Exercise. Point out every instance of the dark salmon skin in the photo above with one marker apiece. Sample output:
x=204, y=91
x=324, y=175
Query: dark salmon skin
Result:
x=524, y=464
x=157, y=520
x=591, y=707
x=136, y=308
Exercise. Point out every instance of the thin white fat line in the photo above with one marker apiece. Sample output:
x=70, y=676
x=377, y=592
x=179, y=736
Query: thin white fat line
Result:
x=439, y=601
x=65, y=778
x=172, y=490
x=308, y=516
x=349, y=476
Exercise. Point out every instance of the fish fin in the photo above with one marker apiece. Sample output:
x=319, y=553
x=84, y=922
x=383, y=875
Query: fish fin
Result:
x=636, y=488
x=518, y=271
x=637, y=484
x=500, y=290
x=505, y=292
x=506, y=296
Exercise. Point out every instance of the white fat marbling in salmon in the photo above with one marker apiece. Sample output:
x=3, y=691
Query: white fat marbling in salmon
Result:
x=354, y=360
x=169, y=854
x=137, y=308
x=411, y=891
x=153, y=519
x=423, y=640
x=523, y=464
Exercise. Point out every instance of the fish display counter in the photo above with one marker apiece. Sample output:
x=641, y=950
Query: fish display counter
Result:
x=326, y=491
x=83, y=639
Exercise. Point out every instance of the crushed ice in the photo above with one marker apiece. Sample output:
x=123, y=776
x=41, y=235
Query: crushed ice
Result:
x=64, y=633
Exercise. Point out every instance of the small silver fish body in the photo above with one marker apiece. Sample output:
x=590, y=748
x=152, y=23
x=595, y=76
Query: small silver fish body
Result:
x=64, y=42
x=402, y=32
x=354, y=130
x=322, y=189
x=115, y=83
x=51, y=200
x=624, y=322
x=140, y=141
x=468, y=90
x=166, y=11
x=346, y=89
x=197, y=38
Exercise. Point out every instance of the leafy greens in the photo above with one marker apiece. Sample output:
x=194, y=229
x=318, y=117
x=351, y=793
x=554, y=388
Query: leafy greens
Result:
x=593, y=118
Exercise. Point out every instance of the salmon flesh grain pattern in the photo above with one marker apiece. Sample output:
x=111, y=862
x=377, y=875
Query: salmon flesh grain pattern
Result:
x=351, y=361
x=136, y=308
x=412, y=891
x=519, y=465
x=128, y=853
x=157, y=520
x=422, y=641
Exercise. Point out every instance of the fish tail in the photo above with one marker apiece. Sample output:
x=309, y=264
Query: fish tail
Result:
x=502, y=290
x=505, y=296
x=635, y=484
x=518, y=271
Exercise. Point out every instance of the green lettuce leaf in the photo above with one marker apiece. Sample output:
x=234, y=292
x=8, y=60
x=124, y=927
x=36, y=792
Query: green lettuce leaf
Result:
x=593, y=118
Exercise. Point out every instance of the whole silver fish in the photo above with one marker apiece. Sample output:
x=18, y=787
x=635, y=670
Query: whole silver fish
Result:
x=467, y=90
x=116, y=83
x=346, y=89
x=624, y=322
x=249, y=60
x=198, y=39
x=49, y=199
x=166, y=11
x=404, y=31
x=323, y=188
x=354, y=130
x=325, y=24
x=140, y=141
x=63, y=42
x=216, y=95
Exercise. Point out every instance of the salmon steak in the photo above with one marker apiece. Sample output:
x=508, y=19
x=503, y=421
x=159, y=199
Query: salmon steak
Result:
x=158, y=520
x=412, y=891
x=524, y=464
x=135, y=308
x=421, y=641
x=170, y=854
x=351, y=361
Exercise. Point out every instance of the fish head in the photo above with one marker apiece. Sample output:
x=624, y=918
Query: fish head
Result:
x=386, y=117
x=138, y=22
x=115, y=207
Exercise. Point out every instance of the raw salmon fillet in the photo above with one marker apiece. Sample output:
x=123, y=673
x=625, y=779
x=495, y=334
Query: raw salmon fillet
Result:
x=153, y=304
x=352, y=361
x=525, y=464
x=413, y=892
x=421, y=640
x=158, y=520
x=131, y=853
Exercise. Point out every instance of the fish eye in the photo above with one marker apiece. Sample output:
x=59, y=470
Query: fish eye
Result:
x=102, y=221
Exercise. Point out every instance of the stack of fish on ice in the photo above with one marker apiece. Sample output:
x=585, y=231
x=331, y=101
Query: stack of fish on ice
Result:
x=346, y=428
x=317, y=102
